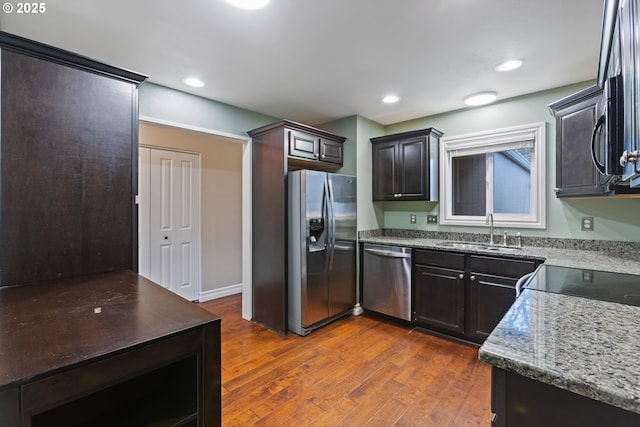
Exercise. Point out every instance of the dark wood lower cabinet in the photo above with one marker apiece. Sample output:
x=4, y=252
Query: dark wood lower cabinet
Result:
x=523, y=402
x=464, y=295
x=490, y=297
x=439, y=298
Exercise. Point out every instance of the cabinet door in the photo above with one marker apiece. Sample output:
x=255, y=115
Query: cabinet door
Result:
x=412, y=169
x=330, y=151
x=303, y=145
x=10, y=407
x=490, y=297
x=575, y=173
x=67, y=181
x=384, y=171
x=439, y=298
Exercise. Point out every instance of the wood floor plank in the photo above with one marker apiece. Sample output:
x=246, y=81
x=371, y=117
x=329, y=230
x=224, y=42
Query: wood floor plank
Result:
x=356, y=371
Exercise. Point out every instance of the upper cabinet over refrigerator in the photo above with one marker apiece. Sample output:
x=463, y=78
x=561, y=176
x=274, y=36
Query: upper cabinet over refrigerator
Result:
x=619, y=56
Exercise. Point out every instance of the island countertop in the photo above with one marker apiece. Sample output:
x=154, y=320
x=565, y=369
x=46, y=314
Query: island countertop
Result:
x=50, y=326
x=586, y=346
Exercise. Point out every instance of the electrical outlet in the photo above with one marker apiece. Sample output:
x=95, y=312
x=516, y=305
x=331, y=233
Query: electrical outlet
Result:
x=587, y=223
x=432, y=219
x=412, y=218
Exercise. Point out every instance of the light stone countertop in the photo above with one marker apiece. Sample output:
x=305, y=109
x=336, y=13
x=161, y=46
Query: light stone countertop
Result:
x=586, y=346
x=591, y=260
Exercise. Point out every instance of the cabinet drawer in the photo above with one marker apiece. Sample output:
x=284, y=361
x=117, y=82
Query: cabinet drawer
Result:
x=506, y=267
x=439, y=258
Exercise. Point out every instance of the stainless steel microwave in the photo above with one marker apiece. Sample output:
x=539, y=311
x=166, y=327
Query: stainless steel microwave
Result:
x=607, y=141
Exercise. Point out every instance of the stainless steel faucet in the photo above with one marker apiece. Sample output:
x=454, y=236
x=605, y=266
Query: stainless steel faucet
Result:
x=489, y=221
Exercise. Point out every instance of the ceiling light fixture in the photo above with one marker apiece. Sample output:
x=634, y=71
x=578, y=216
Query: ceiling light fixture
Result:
x=481, y=98
x=390, y=99
x=249, y=4
x=509, y=65
x=193, y=82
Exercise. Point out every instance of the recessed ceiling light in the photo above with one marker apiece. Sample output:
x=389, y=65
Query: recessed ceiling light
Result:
x=249, y=4
x=390, y=99
x=509, y=65
x=194, y=82
x=481, y=98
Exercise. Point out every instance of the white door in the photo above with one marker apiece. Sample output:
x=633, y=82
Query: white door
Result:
x=170, y=204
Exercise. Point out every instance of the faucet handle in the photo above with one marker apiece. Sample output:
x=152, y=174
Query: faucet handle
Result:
x=504, y=238
x=519, y=237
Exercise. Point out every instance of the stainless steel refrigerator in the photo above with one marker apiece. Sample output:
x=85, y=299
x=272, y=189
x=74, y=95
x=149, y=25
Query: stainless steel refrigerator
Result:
x=322, y=248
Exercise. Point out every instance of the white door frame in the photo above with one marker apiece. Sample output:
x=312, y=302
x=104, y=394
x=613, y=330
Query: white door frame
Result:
x=247, y=297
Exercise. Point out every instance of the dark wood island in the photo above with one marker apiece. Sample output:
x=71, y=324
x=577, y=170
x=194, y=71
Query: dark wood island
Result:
x=109, y=349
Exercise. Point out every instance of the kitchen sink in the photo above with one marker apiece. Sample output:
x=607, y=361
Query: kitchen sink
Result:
x=472, y=246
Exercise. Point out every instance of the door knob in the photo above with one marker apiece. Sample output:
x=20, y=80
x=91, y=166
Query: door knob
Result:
x=461, y=276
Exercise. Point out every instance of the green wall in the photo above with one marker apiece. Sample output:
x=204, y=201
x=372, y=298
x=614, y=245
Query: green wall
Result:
x=357, y=161
x=347, y=128
x=172, y=105
x=614, y=219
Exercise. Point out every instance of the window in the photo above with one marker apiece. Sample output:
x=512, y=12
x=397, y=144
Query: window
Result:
x=500, y=172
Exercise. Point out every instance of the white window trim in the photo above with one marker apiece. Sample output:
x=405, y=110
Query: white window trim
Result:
x=491, y=141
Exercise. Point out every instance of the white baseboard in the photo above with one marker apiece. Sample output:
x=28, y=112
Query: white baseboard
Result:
x=220, y=292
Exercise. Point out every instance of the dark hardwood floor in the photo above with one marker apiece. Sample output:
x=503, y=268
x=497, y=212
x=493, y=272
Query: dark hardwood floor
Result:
x=357, y=371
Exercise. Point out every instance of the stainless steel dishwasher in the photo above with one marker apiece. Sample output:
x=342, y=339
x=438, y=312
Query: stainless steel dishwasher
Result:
x=386, y=280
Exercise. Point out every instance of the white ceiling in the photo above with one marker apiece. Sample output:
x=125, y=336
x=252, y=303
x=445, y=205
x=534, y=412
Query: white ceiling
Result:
x=313, y=61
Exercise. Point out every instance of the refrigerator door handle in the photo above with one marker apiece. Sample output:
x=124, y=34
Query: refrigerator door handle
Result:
x=332, y=225
x=326, y=213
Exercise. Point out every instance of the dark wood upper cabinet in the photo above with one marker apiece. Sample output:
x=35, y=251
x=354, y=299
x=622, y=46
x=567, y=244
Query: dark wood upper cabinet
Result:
x=309, y=148
x=405, y=165
x=69, y=134
x=576, y=175
x=575, y=118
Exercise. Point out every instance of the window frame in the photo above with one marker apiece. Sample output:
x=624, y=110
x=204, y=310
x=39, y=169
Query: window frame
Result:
x=523, y=136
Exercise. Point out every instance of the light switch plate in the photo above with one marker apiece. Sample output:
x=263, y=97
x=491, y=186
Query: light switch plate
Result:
x=587, y=223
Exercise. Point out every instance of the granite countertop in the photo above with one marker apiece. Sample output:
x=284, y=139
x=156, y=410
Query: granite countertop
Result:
x=617, y=262
x=586, y=346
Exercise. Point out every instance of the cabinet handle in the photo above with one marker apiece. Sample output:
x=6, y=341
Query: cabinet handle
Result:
x=472, y=278
x=461, y=276
x=629, y=157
